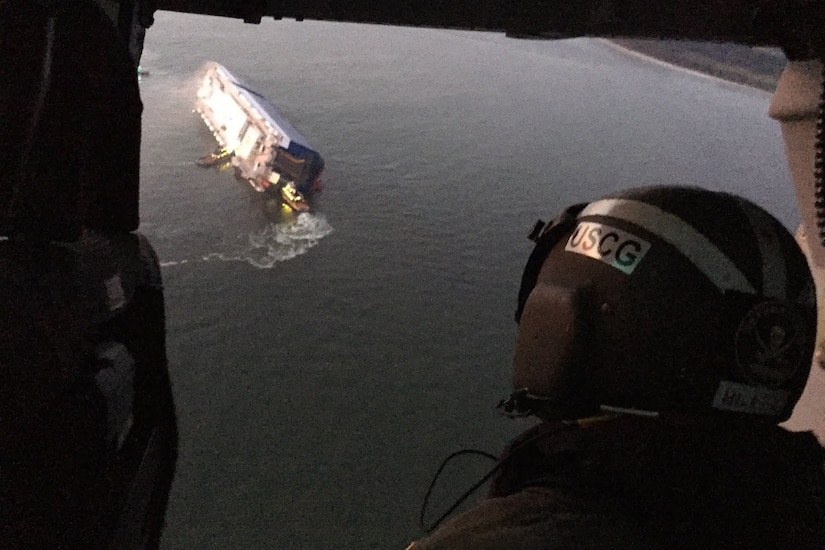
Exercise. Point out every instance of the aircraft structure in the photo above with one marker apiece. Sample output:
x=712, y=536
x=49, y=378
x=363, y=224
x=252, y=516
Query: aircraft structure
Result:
x=85, y=227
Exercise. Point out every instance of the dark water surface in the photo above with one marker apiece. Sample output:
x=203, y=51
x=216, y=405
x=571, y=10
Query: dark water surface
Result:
x=324, y=364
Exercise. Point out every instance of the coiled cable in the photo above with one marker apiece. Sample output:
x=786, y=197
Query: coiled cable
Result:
x=819, y=163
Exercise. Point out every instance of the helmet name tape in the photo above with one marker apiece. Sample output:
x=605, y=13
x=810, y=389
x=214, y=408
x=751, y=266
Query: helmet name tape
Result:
x=614, y=247
x=705, y=255
x=732, y=396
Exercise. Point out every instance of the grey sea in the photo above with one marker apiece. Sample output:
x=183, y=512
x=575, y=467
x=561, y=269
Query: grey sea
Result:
x=325, y=363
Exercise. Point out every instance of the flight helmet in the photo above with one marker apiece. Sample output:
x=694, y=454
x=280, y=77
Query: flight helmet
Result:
x=664, y=301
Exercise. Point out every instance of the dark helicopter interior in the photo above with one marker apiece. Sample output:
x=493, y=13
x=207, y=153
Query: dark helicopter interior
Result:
x=793, y=25
x=790, y=24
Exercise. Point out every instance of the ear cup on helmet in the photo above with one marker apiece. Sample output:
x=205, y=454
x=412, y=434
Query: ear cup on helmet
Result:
x=554, y=328
x=765, y=350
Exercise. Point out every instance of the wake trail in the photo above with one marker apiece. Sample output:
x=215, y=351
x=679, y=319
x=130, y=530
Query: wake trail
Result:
x=275, y=243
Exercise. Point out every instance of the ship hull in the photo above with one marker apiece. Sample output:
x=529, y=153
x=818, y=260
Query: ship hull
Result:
x=259, y=138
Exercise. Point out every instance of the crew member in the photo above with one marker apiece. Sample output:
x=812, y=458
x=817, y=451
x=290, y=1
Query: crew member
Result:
x=664, y=332
x=88, y=433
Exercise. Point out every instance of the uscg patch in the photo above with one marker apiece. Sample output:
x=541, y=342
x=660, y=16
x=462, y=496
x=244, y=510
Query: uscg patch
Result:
x=612, y=246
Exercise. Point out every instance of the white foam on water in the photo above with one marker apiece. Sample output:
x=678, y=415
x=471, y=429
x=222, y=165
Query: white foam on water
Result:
x=278, y=242
x=170, y=263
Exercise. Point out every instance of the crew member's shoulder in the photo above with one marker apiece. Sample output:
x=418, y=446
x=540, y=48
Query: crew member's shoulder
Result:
x=538, y=518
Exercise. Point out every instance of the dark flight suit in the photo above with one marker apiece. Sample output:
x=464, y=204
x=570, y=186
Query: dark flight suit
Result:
x=632, y=483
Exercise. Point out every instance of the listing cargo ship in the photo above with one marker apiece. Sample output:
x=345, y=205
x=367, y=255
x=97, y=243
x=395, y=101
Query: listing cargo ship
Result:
x=256, y=139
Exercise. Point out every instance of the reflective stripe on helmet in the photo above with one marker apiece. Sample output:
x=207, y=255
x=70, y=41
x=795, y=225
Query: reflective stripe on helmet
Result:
x=705, y=255
x=774, y=270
